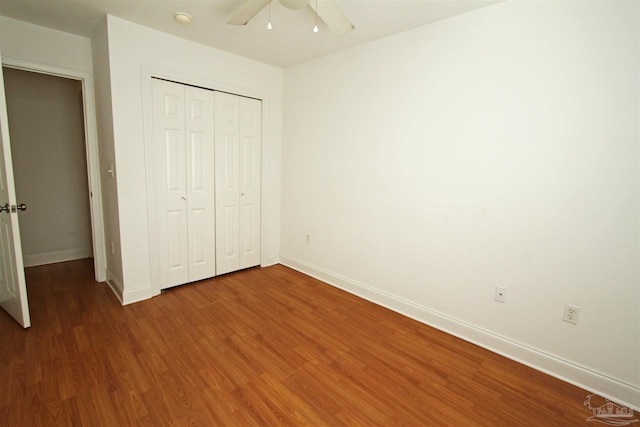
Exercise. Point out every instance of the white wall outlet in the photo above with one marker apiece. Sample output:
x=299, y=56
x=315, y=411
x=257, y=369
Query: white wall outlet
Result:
x=571, y=313
x=501, y=294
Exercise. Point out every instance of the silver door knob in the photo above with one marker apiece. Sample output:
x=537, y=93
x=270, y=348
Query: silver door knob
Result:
x=183, y=198
x=22, y=207
x=5, y=208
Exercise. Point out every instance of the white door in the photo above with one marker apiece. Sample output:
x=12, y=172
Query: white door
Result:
x=171, y=186
x=183, y=142
x=238, y=130
x=250, y=173
x=13, y=288
x=200, y=183
x=227, y=126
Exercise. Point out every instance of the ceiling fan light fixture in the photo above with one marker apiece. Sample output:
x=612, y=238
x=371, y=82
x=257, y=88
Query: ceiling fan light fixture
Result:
x=315, y=27
x=331, y=14
x=182, y=18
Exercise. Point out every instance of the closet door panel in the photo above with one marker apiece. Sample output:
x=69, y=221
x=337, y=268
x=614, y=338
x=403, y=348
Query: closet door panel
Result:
x=227, y=140
x=171, y=186
x=200, y=182
x=229, y=223
x=250, y=179
x=176, y=234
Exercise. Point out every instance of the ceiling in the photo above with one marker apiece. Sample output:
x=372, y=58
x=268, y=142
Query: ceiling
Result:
x=291, y=41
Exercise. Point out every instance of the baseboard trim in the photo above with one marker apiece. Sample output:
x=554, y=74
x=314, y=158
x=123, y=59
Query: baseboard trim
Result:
x=137, y=294
x=128, y=296
x=32, y=260
x=565, y=370
x=115, y=285
x=270, y=261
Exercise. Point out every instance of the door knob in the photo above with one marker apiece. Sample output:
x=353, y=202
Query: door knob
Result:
x=183, y=198
x=22, y=207
x=5, y=208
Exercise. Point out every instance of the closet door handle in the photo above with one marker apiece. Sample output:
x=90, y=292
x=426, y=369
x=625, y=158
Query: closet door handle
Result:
x=183, y=198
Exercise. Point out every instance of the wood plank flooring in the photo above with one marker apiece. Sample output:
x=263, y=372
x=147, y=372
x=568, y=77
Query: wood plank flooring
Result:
x=259, y=347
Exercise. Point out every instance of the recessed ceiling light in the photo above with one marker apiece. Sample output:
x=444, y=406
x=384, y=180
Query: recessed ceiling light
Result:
x=183, y=18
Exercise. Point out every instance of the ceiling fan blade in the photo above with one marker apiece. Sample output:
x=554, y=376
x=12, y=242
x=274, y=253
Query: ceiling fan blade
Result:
x=247, y=11
x=294, y=4
x=332, y=15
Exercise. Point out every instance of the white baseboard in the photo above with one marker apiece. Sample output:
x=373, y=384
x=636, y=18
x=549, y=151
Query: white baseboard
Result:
x=32, y=260
x=137, y=294
x=128, y=296
x=115, y=285
x=270, y=261
x=562, y=369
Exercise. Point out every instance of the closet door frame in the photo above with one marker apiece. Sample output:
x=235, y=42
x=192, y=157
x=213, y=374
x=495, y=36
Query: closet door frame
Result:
x=147, y=74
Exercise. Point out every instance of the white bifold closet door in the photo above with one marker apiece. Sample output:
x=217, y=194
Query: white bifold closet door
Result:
x=238, y=141
x=184, y=168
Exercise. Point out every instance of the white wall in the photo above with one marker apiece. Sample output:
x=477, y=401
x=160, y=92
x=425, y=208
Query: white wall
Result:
x=42, y=45
x=49, y=163
x=134, y=52
x=499, y=147
x=104, y=118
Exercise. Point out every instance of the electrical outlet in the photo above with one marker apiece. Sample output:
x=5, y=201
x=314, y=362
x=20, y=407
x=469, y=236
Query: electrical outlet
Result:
x=571, y=313
x=501, y=294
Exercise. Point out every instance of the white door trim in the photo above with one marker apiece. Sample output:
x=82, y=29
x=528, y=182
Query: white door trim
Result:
x=147, y=73
x=91, y=145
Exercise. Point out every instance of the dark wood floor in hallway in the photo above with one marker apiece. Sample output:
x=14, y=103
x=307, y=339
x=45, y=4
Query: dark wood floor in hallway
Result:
x=265, y=346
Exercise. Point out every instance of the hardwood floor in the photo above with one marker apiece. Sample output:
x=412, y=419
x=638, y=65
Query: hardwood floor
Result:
x=259, y=347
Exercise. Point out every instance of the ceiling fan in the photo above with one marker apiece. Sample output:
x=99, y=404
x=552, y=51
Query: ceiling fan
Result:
x=327, y=10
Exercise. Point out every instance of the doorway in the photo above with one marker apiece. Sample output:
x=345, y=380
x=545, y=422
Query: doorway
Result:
x=84, y=96
x=46, y=121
